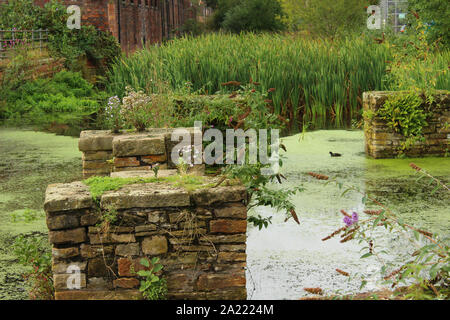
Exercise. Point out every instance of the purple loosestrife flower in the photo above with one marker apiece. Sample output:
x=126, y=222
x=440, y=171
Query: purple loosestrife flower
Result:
x=348, y=221
x=351, y=220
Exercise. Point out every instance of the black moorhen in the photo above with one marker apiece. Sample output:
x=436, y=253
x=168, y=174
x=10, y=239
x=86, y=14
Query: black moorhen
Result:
x=335, y=154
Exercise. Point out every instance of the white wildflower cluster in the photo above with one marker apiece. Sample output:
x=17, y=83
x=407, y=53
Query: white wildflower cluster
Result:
x=135, y=100
x=113, y=106
x=136, y=107
x=113, y=113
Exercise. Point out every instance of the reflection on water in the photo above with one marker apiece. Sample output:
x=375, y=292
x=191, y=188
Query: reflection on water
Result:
x=286, y=257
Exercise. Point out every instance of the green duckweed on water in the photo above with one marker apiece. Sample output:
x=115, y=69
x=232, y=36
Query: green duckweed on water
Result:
x=286, y=257
x=30, y=161
x=282, y=259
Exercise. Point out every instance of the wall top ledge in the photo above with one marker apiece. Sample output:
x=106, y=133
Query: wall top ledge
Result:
x=102, y=140
x=76, y=195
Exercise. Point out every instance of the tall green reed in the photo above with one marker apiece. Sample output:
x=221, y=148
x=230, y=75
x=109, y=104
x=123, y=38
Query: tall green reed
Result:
x=318, y=82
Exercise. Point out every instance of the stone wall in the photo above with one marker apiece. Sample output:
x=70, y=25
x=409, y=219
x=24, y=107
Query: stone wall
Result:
x=199, y=236
x=104, y=152
x=383, y=142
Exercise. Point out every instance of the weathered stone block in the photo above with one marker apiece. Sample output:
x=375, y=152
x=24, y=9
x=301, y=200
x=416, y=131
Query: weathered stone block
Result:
x=64, y=253
x=127, y=250
x=106, y=238
x=228, y=226
x=126, y=162
x=60, y=281
x=231, y=210
x=235, y=238
x=99, y=165
x=67, y=196
x=146, y=195
x=95, y=140
x=62, y=267
x=231, y=257
x=98, y=295
x=228, y=294
x=99, y=284
x=90, y=219
x=89, y=251
x=181, y=282
x=138, y=145
x=232, y=247
x=68, y=236
x=206, y=197
x=154, y=245
x=209, y=282
x=145, y=228
x=65, y=221
x=151, y=159
x=96, y=155
x=143, y=174
x=127, y=283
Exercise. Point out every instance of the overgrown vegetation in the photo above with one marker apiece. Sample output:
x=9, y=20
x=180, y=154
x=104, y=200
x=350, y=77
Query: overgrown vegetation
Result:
x=35, y=254
x=246, y=15
x=323, y=18
x=72, y=45
x=66, y=99
x=318, y=82
x=404, y=113
x=153, y=287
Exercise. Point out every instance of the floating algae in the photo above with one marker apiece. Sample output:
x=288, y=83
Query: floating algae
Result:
x=30, y=161
x=286, y=257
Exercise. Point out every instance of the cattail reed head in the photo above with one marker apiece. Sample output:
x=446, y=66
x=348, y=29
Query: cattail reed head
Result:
x=334, y=233
x=271, y=90
x=415, y=167
x=425, y=233
x=373, y=212
x=314, y=290
x=231, y=83
x=318, y=176
x=342, y=272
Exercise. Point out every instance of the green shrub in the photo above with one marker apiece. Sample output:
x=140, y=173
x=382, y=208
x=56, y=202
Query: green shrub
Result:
x=64, y=99
x=35, y=254
x=254, y=15
x=99, y=47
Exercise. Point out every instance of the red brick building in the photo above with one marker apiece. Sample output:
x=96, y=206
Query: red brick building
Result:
x=134, y=22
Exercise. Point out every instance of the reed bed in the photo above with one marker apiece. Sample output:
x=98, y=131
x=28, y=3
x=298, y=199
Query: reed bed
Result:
x=317, y=82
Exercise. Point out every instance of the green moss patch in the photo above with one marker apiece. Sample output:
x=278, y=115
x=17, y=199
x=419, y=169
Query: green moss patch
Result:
x=99, y=185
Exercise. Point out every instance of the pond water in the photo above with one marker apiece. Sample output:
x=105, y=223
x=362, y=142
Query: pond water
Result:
x=286, y=257
x=29, y=161
x=282, y=259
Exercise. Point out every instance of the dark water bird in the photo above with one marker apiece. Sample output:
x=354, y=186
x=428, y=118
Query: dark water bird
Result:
x=335, y=154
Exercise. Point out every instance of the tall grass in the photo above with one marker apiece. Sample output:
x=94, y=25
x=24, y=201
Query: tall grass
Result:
x=317, y=82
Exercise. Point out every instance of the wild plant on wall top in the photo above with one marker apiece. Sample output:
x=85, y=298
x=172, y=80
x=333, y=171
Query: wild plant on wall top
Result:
x=136, y=109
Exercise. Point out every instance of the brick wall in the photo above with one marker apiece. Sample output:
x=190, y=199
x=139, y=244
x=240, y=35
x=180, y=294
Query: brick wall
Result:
x=141, y=21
